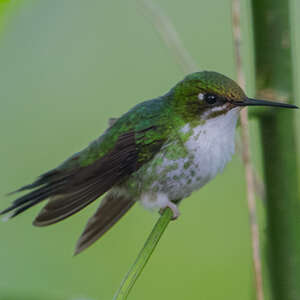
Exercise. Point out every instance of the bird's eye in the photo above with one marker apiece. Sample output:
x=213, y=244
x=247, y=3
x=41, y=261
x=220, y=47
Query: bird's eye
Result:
x=210, y=99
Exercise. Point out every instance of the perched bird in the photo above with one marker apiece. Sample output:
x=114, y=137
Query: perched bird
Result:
x=158, y=153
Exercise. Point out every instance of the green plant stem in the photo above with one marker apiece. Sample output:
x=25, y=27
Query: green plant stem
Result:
x=274, y=79
x=144, y=255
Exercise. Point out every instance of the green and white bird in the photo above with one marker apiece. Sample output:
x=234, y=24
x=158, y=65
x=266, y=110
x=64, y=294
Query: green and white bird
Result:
x=157, y=153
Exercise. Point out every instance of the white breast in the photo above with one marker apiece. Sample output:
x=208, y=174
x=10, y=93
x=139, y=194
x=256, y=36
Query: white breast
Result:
x=210, y=146
x=213, y=144
x=206, y=152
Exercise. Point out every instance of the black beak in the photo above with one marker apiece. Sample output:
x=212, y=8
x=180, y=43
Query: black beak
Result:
x=256, y=102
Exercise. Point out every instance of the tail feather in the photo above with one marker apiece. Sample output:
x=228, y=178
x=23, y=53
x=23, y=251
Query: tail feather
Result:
x=111, y=209
x=72, y=186
x=43, y=179
x=23, y=208
x=63, y=206
x=24, y=202
x=48, y=216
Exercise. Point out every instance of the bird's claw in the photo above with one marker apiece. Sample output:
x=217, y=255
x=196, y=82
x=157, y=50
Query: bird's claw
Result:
x=174, y=209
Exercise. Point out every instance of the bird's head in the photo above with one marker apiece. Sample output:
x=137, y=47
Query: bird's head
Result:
x=209, y=94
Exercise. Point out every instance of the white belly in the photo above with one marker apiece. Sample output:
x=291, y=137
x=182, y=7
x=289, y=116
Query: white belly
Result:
x=209, y=148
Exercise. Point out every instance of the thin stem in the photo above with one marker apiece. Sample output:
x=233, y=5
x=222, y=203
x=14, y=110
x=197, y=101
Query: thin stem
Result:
x=144, y=255
x=246, y=155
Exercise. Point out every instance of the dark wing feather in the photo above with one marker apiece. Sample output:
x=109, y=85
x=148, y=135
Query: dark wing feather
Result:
x=111, y=209
x=34, y=197
x=91, y=182
x=71, y=190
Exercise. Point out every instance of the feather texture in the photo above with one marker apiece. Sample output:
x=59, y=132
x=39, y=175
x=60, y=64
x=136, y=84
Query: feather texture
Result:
x=70, y=190
x=108, y=162
x=111, y=209
x=92, y=181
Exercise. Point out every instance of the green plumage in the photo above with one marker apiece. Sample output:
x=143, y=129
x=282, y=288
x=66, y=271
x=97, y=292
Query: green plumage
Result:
x=167, y=113
x=149, y=122
x=121, y=160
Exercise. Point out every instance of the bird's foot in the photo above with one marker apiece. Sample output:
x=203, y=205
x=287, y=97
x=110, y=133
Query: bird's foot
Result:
x=174, y=209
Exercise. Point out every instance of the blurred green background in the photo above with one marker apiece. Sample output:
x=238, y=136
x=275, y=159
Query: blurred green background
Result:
x=66, y=66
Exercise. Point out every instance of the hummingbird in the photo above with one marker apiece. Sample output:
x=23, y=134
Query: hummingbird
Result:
x=158, y=153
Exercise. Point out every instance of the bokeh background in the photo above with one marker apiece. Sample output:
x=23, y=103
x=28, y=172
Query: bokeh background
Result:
x=66, y=67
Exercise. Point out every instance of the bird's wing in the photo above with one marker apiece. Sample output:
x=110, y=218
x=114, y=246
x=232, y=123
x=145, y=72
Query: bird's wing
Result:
x=122, y=150
x=111, y=209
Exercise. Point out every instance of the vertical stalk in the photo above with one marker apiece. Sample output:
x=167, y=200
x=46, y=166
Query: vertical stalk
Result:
x=274, y=79
x=246, y=155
